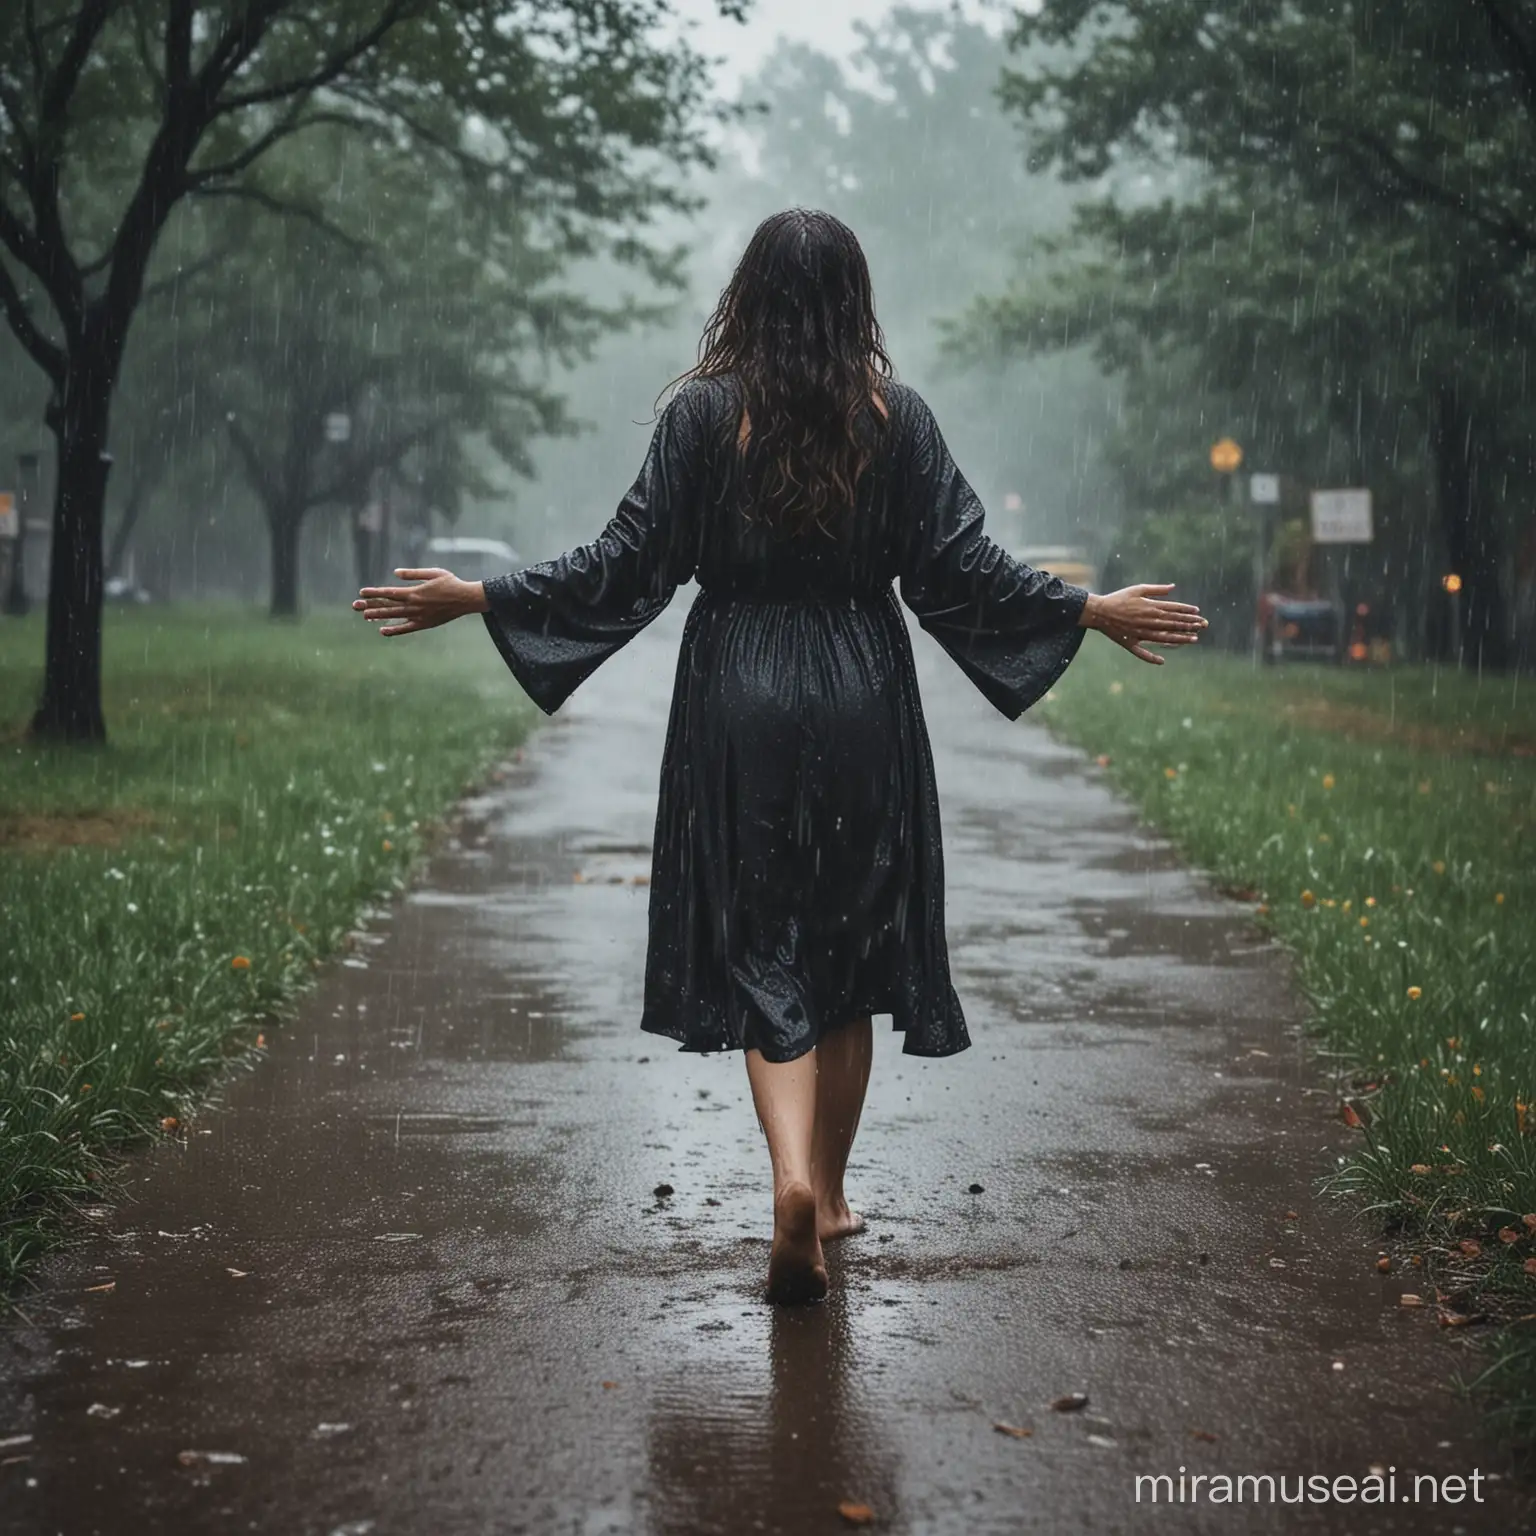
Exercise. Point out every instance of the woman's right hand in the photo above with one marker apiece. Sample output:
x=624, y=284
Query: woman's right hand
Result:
x=1135, y=617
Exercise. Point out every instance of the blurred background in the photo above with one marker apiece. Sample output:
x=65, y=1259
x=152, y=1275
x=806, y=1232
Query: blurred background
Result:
x=1154, y=319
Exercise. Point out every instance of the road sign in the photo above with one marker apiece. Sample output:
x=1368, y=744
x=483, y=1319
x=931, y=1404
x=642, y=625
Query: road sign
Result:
x=1226, y=456
x=10, y=519
x=1341, y=517
x=1264, y=490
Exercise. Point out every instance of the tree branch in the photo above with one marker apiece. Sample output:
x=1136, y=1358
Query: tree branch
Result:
x=1506, y=225
x=334, y=67
x=1514, y=45
x=293, y=123
x=276, y=205
x=48, y=355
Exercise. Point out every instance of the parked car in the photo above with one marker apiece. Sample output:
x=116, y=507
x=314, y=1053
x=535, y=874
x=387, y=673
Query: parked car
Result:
x=123, y=589
x=1300, y=629
x=471, y=559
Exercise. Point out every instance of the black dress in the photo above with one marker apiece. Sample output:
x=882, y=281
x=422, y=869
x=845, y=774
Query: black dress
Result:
x=797, y=874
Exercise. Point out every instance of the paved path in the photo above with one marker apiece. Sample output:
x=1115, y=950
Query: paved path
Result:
x=461, y=1309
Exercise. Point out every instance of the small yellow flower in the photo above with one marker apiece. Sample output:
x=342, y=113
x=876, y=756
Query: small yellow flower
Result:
x=1477, y=1093
x=1438, y=866
x=1327, y=781
x=1415, y=993
x=1370, y=901
x=75, y=1018
x=85, y=1087
x=1170, y=773
x=1290, y=810
x=1365, y=922
x=1424, y=786
x=388, y=846
x=1117, y=687
x=240, y=963
x=1308, y=899
x=1498, y=898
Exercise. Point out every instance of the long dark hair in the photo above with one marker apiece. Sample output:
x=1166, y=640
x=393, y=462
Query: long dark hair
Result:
x=796, y=327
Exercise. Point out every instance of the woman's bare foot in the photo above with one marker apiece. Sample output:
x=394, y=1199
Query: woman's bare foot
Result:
x=835, y=1219
x=796, y=1270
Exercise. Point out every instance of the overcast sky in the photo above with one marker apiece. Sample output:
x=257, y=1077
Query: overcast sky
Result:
x=829, y=24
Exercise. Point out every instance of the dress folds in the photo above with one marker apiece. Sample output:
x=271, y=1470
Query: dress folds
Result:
x=797, y=869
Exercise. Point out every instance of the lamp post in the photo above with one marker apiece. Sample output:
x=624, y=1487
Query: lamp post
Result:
x=27, y=466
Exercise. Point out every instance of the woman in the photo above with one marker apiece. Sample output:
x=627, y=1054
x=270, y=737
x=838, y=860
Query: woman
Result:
x=798, y=882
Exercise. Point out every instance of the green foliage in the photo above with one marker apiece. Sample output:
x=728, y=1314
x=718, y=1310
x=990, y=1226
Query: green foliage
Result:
x=1317, y=219
x=265, y=787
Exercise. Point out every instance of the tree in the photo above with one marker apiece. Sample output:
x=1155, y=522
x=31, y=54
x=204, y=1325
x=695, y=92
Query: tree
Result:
x=1363, y=219
x=116, y=112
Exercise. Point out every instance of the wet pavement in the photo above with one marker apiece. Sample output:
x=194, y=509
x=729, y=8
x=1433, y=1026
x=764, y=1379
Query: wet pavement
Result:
x=414, y=1277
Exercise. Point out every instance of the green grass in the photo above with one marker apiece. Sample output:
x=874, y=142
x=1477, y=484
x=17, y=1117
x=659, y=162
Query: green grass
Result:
x=1383, y=825
x=165, y=898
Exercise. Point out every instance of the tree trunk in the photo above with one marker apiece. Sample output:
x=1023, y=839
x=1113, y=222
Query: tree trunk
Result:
x=1469, y=524
x=284, y=526
x=70, y=707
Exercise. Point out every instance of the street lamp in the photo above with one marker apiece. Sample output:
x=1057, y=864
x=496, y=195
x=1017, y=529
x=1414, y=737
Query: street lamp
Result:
x=27, y=466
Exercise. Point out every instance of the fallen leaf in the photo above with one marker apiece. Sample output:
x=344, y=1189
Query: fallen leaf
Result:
x=1384, y=1264
x=210, y=1458
x=1529, y=1266
x=1071, y=1403
x=1351, y=1116
x=1018, y=1431
x=238, y=1274
x=608, y=1386
x=1449, y=1319
x=856, y=1514
x=1508, y=1235
x=1203, y=1434
x=110, y=1285
x=1409, y=1299
x=101, y=1411
x=1471, y=1247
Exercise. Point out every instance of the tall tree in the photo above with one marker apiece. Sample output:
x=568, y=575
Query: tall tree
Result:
x=1404, y=134
x=114, y=112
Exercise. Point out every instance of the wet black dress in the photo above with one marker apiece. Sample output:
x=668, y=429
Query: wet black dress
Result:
x=797, y=876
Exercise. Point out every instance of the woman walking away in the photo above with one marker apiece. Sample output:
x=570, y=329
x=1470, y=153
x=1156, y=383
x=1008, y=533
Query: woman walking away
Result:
x=797, y=875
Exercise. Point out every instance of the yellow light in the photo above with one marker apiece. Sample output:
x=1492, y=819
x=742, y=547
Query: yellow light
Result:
x=1451, y=583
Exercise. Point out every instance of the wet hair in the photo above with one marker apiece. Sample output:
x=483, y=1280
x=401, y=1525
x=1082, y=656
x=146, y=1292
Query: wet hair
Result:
x=796, y=328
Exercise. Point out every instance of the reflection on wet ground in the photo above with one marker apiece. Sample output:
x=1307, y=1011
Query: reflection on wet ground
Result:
x=416, y=1276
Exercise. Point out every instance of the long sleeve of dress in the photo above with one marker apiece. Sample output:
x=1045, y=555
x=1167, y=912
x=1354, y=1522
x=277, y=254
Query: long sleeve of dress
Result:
x=1011, y=629
x=555, y=623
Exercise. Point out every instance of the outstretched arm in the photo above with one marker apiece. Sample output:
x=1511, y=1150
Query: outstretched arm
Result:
x=556, y=622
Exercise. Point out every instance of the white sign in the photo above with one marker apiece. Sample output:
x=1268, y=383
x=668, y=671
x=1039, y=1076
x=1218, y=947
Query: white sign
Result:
x=1264, y=490
x=1341, y=517
x=338, y=427
x=10, y=519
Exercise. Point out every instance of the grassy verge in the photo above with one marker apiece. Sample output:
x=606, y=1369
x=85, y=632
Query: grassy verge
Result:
x=164, y=899
x=1384, y=827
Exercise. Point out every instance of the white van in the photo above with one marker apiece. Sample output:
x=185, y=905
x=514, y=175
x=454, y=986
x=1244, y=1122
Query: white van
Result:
x=472, y=559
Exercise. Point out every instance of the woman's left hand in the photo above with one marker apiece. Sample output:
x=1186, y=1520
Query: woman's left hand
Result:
x=440, y=598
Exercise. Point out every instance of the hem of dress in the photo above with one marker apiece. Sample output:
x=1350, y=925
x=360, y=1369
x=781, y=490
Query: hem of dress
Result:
x=653, y=1025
